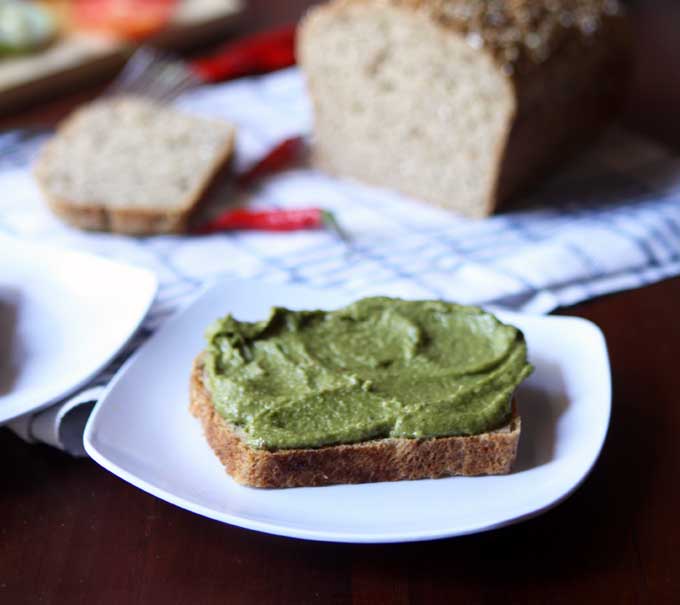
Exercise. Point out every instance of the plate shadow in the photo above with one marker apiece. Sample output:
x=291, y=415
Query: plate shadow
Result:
x=10, y=347
x=540, y=410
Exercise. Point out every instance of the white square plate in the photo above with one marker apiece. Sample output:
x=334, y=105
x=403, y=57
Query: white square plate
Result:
x=143, y=432
x=63, y=317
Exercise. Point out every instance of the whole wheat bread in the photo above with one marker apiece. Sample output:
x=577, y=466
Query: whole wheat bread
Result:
x=392, y=459
x=459, y=102
x=131, y=165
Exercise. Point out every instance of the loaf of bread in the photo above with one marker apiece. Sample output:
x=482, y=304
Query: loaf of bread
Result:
x=391, y=459
x=460, y=103
x=131, y=165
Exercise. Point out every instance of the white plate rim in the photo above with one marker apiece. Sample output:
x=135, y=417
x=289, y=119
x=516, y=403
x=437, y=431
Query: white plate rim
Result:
x=123, y=341
x=330, y=536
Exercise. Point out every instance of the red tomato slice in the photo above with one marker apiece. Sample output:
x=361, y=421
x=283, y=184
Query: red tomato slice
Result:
x=129, y=19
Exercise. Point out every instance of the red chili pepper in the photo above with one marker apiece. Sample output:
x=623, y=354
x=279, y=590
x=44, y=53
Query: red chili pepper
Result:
x=273, y=220
x=257, y=54
x=280, y=157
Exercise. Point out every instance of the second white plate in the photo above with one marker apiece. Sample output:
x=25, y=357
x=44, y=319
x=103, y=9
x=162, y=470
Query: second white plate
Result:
x=143, y=432
x=63, y=317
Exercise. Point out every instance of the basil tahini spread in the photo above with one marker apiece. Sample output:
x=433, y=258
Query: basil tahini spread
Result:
x=380, y=367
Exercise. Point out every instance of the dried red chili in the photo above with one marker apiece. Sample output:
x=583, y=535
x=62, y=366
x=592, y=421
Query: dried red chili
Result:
x=273, y=220
x=257, y=54
x=280, y=157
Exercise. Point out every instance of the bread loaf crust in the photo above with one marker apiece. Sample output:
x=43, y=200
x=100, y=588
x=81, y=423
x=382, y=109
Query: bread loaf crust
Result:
x=520, y=34
x=565, y=63
x=130, y=221
x=393, y=459
x=564, y=103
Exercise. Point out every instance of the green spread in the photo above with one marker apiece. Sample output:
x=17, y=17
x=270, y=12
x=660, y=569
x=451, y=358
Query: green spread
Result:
x=380, y=367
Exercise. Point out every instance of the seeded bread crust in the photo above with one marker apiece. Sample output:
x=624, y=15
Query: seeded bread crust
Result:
x=128, y=218
x=521, y=34
x=391, y=459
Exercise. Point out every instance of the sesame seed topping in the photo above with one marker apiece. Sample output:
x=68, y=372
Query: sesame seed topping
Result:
x=519, y=30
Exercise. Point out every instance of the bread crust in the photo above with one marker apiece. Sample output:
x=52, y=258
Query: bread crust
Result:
x=392, y=459
x=521, y=35
x=560, y=114
x=130, y=220
x=564, y=92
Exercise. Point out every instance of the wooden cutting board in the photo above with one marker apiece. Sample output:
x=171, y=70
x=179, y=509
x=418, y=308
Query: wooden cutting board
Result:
x=77, y=59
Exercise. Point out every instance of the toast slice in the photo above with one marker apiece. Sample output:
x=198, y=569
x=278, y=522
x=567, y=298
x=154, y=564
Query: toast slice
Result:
x=131, y=165
x=392, y=459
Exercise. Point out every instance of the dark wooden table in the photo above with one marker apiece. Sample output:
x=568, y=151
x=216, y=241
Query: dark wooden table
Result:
x=70, y=532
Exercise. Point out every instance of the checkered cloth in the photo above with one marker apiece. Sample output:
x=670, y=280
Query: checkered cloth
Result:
x=607, y=222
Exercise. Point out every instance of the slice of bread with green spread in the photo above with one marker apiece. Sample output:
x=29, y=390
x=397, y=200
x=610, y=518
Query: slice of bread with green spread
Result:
x=131, y=165
x=381, y=390
x=391, y=459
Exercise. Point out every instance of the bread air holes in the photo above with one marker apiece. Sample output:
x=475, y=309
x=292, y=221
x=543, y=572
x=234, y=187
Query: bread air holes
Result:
x=376, y=62
x=385, y=85
x=357, y=106
x=182, y=183
x=414, y=132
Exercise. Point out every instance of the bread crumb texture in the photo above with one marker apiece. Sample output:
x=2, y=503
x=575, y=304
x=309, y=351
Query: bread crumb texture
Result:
x=131, y=164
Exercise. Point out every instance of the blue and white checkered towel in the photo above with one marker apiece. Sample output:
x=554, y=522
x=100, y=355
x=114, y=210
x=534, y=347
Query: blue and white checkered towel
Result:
x=609, y=221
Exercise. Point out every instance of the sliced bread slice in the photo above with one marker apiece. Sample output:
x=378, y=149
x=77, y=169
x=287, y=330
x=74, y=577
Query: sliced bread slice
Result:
x=131, y=165
x=391, y=459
